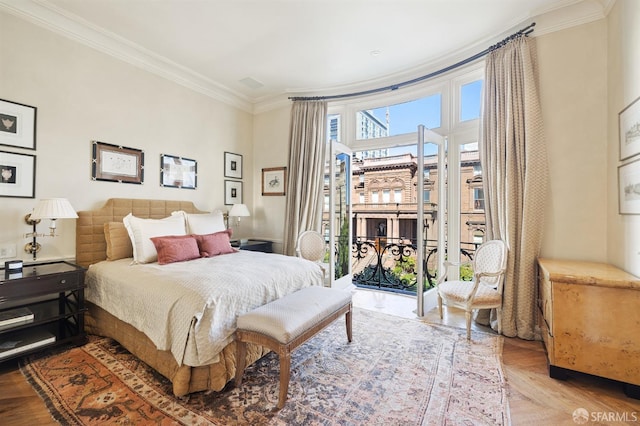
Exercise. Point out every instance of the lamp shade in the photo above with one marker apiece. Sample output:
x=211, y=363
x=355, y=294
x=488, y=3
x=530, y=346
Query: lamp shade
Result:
x=239, y=210
x=53, y=208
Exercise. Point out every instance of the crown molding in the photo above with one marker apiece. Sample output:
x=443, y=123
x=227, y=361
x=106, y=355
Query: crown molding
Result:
x=42, y=13
x=48, y=16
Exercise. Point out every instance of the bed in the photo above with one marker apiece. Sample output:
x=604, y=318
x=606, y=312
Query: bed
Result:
x=178, y=317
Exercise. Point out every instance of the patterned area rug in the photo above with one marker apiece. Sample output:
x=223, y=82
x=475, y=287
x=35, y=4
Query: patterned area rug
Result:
x=395, y=372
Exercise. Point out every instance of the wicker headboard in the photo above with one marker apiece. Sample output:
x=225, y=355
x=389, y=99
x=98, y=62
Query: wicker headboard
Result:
x=91, y=246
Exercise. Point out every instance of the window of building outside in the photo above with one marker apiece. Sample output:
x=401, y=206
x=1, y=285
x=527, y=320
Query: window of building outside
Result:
x=374, y=197
x=397, y=196
x=478, y=199
x=326, y=202
x=385, y=196
x=477, y=170
x=361, y=198
x=427, y=196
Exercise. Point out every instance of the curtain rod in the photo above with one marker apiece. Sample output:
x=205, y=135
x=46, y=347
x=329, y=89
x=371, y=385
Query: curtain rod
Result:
x=523, y=32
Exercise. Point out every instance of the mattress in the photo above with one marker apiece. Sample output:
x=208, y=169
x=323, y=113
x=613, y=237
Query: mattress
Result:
x=190, y=308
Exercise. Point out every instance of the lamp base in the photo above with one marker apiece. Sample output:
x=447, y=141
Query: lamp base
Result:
x=32, y=248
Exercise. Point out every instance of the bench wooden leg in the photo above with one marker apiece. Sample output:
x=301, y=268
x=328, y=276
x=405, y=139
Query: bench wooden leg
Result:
x=285, y=371
x=241, y=357
x=348, y=321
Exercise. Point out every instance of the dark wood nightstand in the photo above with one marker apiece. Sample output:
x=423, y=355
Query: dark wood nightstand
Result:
x=254, y=245
x=41, y=307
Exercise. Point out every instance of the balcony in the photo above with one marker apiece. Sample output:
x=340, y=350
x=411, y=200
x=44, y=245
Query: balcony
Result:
x=390, y=264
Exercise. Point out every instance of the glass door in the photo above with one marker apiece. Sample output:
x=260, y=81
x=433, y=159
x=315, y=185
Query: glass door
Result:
x=340, y=232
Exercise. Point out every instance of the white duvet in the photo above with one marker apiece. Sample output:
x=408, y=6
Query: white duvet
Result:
x=190, y=308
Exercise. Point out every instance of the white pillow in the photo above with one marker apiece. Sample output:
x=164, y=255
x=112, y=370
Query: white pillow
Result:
x=203, y=223
x=142, y=230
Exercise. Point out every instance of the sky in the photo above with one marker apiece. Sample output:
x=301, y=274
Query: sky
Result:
x=405, y=117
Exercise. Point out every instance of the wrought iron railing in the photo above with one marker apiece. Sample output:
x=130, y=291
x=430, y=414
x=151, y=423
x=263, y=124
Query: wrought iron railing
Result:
x=390, y=264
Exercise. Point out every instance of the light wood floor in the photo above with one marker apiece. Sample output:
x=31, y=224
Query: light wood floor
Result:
x=534, y=397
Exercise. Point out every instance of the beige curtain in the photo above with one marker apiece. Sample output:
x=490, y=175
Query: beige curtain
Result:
x=307, y=148
x=515, y=176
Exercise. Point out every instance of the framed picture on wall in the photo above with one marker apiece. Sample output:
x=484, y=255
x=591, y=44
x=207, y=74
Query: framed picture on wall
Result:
x=232, y=165
x=629, y=128
x=232, y=192
x=17, y=175
x=115, y=163
x=274, y=181
x=17, y=125
x=629, y=187
x=178, y=172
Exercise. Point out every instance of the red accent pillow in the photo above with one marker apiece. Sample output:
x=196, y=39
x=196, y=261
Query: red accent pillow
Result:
x=215, y=244
x=176, y=248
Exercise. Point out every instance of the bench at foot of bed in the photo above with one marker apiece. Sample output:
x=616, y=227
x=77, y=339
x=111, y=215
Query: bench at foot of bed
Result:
x=286, y=323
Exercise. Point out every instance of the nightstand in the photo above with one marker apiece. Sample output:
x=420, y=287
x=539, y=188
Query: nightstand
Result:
x=41, y=307
x=254, y=245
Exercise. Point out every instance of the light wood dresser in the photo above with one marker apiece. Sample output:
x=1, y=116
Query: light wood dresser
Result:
x=590, y=320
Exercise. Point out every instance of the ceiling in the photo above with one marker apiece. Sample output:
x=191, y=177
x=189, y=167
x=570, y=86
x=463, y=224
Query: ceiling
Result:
x=252, y=51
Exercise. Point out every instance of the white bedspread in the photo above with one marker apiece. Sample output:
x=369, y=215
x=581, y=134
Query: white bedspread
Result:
x=190, y=308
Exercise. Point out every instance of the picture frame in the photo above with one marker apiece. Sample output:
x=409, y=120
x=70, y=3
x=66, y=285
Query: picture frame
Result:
x=17, y=124
x=114, y=163
x=232, y=165
x=629, y=187
x=17, y=175
x=232, y=192
x=178, y=172
x=629, y=130
x=274, y=181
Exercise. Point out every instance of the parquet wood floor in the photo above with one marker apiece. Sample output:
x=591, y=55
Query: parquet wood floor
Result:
x=534, y=397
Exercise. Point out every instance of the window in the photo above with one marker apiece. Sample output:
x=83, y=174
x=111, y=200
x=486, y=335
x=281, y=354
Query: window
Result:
x=399, y=119
x=326, y=202
x=478, y=199
x=470, y=99
x=374, y=197
x=397, y=196
x=333, y=124
x=385, y=196
x=427, y=196
x=477, y=170
x=361, y=198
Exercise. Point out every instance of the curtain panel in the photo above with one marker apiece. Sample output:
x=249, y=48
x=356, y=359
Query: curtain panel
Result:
x=515, y=177
x=306, y=165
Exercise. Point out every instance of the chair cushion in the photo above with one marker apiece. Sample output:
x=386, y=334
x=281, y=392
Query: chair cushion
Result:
x=458, y=291
x=286, y=318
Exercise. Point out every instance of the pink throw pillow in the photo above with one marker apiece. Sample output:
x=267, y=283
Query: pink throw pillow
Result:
x=215, y=244
x=174, y=248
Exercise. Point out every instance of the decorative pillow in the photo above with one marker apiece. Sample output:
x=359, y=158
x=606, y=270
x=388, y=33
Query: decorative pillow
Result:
x=118, y=241
x=203, y=223
x=176, y=248
x=142, y=230
x=215, y=244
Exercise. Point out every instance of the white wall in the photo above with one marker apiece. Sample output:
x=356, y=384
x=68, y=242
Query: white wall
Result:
x=271, y=149
x=624, y=87
x=573, y=93
x=83, y=95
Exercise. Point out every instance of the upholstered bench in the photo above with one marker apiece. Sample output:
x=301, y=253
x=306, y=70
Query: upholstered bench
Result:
x=286, y=323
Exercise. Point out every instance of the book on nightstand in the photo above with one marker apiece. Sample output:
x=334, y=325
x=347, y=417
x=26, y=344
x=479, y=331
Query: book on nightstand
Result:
x=24, y=340
x=14, y=317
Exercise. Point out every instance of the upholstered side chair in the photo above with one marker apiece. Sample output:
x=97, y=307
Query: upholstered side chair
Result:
x=311, y=246
x=484, y=291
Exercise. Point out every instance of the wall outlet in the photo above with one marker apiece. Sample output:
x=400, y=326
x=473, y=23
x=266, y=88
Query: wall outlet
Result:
x=7, y=251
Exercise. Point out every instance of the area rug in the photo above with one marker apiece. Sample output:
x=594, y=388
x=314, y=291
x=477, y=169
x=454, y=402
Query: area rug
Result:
x=395, y=372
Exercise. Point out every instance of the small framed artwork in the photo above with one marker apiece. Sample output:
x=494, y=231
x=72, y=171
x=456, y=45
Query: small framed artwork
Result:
x=17, y=125
x=232, y=165
x=178, y=172
x=232, y=192
x=17, y=175
x=274, y=181
x=115, y=163
x=629, y=124
x=629, y=187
